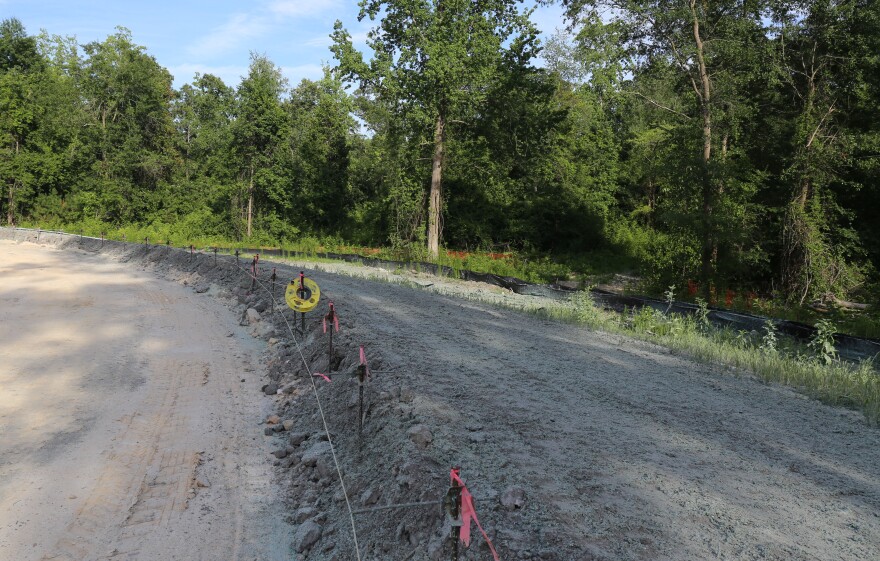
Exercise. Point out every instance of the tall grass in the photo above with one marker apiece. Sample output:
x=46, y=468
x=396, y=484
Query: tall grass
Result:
x=807, y=368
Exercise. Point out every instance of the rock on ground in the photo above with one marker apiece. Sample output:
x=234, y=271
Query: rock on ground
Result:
x=307, y=534
x=420, y=435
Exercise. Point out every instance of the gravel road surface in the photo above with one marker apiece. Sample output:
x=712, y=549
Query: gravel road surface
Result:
x=578, y=445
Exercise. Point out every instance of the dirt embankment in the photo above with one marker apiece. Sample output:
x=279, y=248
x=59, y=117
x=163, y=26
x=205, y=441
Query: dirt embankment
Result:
x=577, y=444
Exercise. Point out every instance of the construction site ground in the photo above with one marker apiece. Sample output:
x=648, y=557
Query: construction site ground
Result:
x=136, y=383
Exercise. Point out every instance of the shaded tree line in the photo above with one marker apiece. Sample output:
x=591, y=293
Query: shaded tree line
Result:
x=735, y=142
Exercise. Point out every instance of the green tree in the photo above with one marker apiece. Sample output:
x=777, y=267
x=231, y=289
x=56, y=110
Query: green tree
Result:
x=321, y=125
x=18, y=50
x=258, y=135
x=20, y=111
x=206, y=180
x=708, y=54
x=434, y=59
x=128, y=98
x=823, y=62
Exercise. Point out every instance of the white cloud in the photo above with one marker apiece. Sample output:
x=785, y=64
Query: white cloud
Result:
x=242, y=27
x=276, y=26
x=304, y=8
x=295, y=74
x=229, y=36
x=319, y=41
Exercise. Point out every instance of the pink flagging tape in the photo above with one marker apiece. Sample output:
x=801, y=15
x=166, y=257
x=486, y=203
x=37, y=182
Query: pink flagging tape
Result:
x=364, y=360
x=468, y=512
x=322, y=376
x=333, y=317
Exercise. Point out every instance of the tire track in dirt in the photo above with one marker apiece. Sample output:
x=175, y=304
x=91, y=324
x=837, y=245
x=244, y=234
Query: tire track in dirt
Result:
x=140, y=483
x=164, y=387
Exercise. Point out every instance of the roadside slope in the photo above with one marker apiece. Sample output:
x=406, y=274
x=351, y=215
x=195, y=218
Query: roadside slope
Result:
x=624, y=450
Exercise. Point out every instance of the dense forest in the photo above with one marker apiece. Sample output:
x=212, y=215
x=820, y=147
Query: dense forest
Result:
x=733, y=143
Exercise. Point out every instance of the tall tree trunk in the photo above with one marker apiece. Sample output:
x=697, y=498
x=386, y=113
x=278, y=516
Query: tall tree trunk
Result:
x=10, y=209
x=802, y=239
x=250, y=207
x=704, y=95
x=434, y=200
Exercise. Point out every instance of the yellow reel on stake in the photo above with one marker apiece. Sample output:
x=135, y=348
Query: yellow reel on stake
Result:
x=302, y=294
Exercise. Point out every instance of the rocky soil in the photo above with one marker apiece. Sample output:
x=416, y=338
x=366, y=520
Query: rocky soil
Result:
x=576, y=444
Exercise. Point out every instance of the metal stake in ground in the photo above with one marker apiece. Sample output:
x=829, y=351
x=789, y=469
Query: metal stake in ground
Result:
x=362, y=377
x=272, y=298
x=192, y=250
x=452, y=505
x=102, y=240
x=237, y=262
x=302, y=294
x=254, y=272
x=334, y=323
x=146, y=243
x=215, y=256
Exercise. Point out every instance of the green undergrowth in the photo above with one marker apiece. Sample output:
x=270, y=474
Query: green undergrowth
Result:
x=526, y=266
x=813, y=369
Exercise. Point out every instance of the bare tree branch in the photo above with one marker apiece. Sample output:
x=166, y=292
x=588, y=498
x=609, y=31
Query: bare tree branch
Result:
x=660, y=105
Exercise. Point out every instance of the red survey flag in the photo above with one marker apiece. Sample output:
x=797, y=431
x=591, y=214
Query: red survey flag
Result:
x=333, y=317
x=322, y=376
x=364, y=360
x=468, y=512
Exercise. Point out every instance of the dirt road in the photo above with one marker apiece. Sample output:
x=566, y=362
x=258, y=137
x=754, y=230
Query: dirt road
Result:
x=120, y=397
x=613, y=449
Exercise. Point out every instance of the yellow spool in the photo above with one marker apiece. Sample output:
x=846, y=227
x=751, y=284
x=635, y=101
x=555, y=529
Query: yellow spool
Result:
x=305, y=302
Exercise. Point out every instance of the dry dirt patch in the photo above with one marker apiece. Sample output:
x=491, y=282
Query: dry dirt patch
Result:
x=124, y=429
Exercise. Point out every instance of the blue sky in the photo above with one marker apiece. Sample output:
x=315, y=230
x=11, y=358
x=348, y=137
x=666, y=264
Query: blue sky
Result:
x=215, y=37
